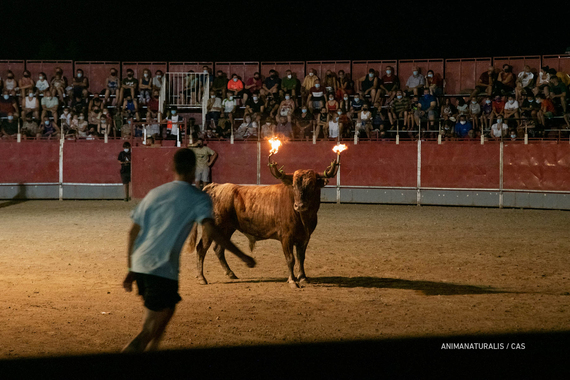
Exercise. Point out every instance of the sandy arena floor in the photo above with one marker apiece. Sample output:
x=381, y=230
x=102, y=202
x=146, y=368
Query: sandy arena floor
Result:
x=376, y=271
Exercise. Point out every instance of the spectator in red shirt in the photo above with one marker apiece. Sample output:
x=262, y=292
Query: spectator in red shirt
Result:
x=235, y=85
x=434, y=83
x=485, y=82
x=8, y=104
x=316, y=98
x=498, y=108
x=152, y=107
x=253, y=85
x=547, y=109
x=505, y=83
x=343, y=85
x=389, y=84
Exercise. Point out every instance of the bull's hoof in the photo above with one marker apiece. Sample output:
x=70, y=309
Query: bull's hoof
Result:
x=232, y=276
x=304, y=281
x=202, y=281
x=293, y=285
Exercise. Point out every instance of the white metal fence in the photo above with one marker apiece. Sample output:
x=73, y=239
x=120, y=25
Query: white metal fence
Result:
x=186, y=89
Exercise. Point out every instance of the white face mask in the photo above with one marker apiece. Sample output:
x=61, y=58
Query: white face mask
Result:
x=463, y=122
x=41, y=78
x=31, y=95
x=317, y=85
x=415, y=73
x=205, y=71
x=81, y=117
x=430, y=75
x=255, y=98
x=514, y=136
x=340, y=112
x=145, y=75
x=159, y=76
x=126, y=150
x=212, y=96
x=311, y=74
x=370, y=75
x=46, y=122
x=289, y=76
x=388, y=72
x=346, y=98
x=511, y=101
x=10, y=117
x=399, y=96
x=488, y=101
x=231, y=98
x=6, y=97
x=473, y=102
x=331, y=98
x=499, y=121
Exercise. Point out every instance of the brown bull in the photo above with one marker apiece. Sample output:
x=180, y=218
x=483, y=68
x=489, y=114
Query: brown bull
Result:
x=286, y=212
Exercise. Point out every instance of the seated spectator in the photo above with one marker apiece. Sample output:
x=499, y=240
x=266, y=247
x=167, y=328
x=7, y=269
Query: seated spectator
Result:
x=344, y=104
x=79, y=105
x=345, y=124
x=448, y=110
x=94, y=119
x=58, y=71
x=308, y=84
x=389, y=84
x=79, y=86
x=190, y=94
x=463, y=127
x=106, y=123
x=563, y=77
x=157, y=80
x=316, y=98
x=152, y=130
x=253, y=85
x=505, y=83
x=462, y=107
x=369, y=86
x=272, y=106
x=287, y=107
x=30, y=104
x=30, y=128
x=558, y=91
x=498, y=107
x=42, y=84
x=332, y=130
x=58, y=85
x=229, y=107
x=474, y=113
x=112, y=85
x=305, y=123
x=145, y=87
x=524, y=83
x=26, y=84
x=414, y=107
x=65, y=120
x=8, y=104
x=95, y=102
x=173, y=122
x=356, y=105
x=9, y=126
x=512, y=110
x=399, y=108
x=82, y=126
x=11, y=84
x=378, y=120
x=329, y=83
x=499, y=129
x=213, y=109
x=542, y=82
x=104, y=126
x=128, y=87
x=236, y=87
x=284, y=128
x=49, y=104
x=247, y=129
x=415, y=82
x=428, y=109
x=254, y=107
x=547, y=109
x=332, y=105
x=271, y=85
x=364, y=122
x=486, y=112
x=49, y=129
x=529, y=107
x=485, y=82
x=289, y=85
x=130, y=108
x=343, y=85
x=322, y=122
x=220, y=84
x=434, y=83
x=268, y=129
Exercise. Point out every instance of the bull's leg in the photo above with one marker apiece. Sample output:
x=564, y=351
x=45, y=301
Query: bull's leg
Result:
x=220, y=252
x=288, y=251
x=201, y=250
x=300, y=257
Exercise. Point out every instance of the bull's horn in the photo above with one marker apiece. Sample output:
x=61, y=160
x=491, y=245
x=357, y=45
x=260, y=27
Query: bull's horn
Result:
x=331, y=171
x=279, y=173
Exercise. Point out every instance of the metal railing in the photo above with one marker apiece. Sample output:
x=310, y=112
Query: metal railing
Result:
x=186, y=89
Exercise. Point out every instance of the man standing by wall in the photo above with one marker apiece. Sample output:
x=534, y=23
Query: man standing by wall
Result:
x=205, y=157
x=161, y=224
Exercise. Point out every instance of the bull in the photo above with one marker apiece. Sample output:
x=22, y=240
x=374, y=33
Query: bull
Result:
x=286, y=212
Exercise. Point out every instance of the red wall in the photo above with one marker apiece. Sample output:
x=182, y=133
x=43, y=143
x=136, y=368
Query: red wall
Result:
x=91, y=161
x=29, y=162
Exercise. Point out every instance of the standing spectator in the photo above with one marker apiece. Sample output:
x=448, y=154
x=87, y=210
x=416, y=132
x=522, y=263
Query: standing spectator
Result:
x=112, y=85
x=10, y=84
x=229, y=107
x=236, y=87
x=253, y=85
x=416, y=82
x=499, y=129
x=316, y=98
x=434, y=83
x=369, y=86
x=205, y=158
x=474, y=113
x=329, y=82
x=485, y=82
x=287, y=107
x=463, y=127
x=42, y=84
x=524, y=83
x=145, y=87
x=30, y=128
x=128, y=87
x=220, y=84
x=505, y=83
x=79, y=85
x=49, y=129
x=289, y=85
x=343, y=85
x=305, y=123
x=157, y=80
x=271, y=85
x=512, y=110
x=284, y=128
x=9, y=127
x=30, y=104
x=547, y=109
x=125, y=161
x=130, y=108
x=214, y=110
x=498, y=108
x=58, y=85
x=558, y=91
x=543, y=82
x=428, y=108
x=26, y=84
x=486, y=112
x=308, y=84
x=153, y=106
x=389, y=84
x=333, y=128
x=254, y=107
x=399, y=109
x=49, y=104
x=8, y=104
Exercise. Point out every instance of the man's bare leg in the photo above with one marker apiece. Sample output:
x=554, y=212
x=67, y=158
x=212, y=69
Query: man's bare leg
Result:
x=154, y=325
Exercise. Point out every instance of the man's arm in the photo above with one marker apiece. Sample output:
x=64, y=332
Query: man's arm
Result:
x=128, y=282
x=212, y=231
x=214, y=156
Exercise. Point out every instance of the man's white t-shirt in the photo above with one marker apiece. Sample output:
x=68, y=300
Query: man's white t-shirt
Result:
x=511, y=106
x=496, y=130
x=166, y=216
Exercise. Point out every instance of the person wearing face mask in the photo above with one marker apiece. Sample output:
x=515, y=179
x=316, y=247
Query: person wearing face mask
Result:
x=463, y=127
x=388, y=85
x=287, y=107
x=428, y=104
x=8, y=104
x=486, y=112
x=30, y=104
x=369, y=86
x=485, y=82
x=344, y=104
x=145, y=87
x=50, y=105
x=9, y=126
x=284, y=129
x=304, y=123
x=364, y=122
x=65, y=121
x=289, y=85
x=343, y=85
x=49, y=129
x=229, y=106
x=112, y=84
x=399, y=109
x=253, y=85
x=434, y=83
x=512, y=110
x=214, y=110
x=308, y=84
x=80, y=85
x=271, y=85
x=529, y=107
x=125, y=172
x=58, y=85
x=332, y=105
x=205, y=158
x=332, y=129
x=30, y=128
x=505, y=83
x=247, y=129
x=26, y=84
x=10, y=84
x=356, y=105
x=547, y=109
x=220, y=84
x=129, y=87
x=130, y=108
x=329, y=82
x=235, y=85
x=474, y=112
x=316, y=98
x=268, y=128
x=416, y=82
x=157, y=80
x=499, y=129
x=254, y=107
x=498, y=105
x=524, y=83
x=42, y=83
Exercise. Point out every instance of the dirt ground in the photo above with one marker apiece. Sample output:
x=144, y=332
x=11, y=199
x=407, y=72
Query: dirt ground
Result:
x=376, y=271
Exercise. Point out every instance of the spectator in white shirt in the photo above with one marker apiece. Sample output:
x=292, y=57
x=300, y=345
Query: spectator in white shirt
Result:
x=416, y=82
x=499, y=129
x=542, y=82
x=512, y=109
x=525, y=82
x=49, y=104
x=42, y=84
x=229, y=107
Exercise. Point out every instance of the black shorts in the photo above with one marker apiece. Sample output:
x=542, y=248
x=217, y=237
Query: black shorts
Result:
x=159, y=293
x=126, y=177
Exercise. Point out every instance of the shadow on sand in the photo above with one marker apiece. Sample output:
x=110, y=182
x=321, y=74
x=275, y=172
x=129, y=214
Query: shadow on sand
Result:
x=428, y=288
x=21, y=197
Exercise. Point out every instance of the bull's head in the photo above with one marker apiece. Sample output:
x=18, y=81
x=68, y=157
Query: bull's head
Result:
x=306, y=184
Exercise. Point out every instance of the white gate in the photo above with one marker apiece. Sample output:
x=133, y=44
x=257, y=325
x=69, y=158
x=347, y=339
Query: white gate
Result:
x=186, y=90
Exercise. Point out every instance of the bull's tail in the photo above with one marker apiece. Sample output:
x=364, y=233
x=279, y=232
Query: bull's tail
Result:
x=252, y=241
x=192, y=237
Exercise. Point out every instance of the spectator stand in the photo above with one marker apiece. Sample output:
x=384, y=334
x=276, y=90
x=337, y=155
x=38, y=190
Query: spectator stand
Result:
x=48, y=67
x=244, y=70
x=405, y=68
x=518, y=63
x=461, y=75
x=322, y=66
x=185, y=67
x=558, y=62
x=97, y=73
x=16, y=66
x=138, y=68
x=297, y=69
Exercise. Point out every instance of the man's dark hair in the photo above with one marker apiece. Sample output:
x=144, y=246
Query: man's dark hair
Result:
x=126, y=144
x=184, y=161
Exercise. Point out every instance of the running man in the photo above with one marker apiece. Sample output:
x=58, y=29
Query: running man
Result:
x=161, y=224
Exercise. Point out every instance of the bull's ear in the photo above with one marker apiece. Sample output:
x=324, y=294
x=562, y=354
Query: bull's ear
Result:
x=322, y=182
x=287, y=179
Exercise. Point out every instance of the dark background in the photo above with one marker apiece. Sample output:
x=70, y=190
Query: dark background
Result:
x=279, y=30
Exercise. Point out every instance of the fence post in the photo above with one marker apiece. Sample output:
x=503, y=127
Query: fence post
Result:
x=61, y=141
x=501, y=162
x=419, y=174
x=258, y=162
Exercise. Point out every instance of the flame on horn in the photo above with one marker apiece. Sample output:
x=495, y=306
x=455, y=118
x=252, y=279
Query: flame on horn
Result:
x=275, y=144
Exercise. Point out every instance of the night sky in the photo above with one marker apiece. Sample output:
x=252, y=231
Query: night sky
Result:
x=282, y=31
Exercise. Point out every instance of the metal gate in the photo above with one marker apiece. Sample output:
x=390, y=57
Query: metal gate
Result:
x=185, y=90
